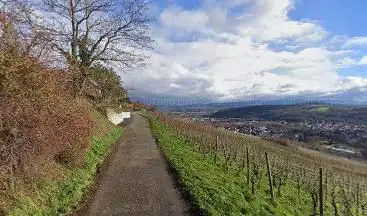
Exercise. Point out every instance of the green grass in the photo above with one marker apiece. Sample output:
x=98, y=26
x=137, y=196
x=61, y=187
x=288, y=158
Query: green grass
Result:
x=322, y=109
x=58, y=197
x=220, y=192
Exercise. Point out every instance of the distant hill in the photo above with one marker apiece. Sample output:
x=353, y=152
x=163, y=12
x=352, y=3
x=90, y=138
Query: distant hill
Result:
x=215, y=106
x=303, y=112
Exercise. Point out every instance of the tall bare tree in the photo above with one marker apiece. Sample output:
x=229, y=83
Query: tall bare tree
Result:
x=87, y=32
x=15, y=20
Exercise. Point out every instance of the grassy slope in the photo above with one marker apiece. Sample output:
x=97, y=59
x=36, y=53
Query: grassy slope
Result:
x=52, y=195
x=218, y=192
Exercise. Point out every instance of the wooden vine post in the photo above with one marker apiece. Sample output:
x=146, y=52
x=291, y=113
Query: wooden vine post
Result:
x=326, y=186
x=321, y=195
x=248, y=167
x=210, y=149
x=270, y=177
x=201, y=142
x=216, y=149
x=357, y=200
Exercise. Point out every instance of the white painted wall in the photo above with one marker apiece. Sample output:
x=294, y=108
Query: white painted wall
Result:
x=117, y=118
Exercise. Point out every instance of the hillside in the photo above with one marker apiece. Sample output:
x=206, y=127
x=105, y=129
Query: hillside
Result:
x=225, y=173
x=53, y=130
x=296, y=113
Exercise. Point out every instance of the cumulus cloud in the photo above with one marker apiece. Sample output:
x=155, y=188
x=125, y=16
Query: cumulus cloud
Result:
x=179, y=19
x=271, y=22
x=346, y=62
x=363, y=60
x=214, y=51
x=356, y=41
x=350, y=62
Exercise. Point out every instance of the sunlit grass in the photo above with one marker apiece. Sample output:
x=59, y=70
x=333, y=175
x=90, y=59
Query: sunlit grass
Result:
x=220, y=192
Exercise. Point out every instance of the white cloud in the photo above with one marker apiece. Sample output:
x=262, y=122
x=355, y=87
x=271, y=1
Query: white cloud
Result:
x=363, y=60
x=346, y=62
x=271, y=22
x=180, y=19
x=350, y=62
x=356, y=41
x=234, y=3
x=231, y=57
x=353, y=82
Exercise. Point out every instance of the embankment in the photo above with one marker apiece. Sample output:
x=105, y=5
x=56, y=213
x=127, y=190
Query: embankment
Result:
x=61, y=188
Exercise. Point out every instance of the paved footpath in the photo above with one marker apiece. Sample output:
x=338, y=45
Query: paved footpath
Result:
x=136, y=180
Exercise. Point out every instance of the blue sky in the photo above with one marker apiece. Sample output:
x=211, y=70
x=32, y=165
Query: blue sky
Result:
x=246, y=49
x=338, y=16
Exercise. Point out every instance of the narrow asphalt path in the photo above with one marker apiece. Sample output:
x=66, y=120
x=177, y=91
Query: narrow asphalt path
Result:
x=136, y=180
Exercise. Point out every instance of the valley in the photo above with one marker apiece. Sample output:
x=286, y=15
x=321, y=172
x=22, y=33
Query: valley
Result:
x=339, y=130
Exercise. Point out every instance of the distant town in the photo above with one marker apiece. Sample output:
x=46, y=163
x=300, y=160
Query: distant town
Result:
x=344, y=138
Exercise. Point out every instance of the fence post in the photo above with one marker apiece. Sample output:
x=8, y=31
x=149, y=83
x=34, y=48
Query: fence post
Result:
x=270, y=177
x=321, y=195
x=248, y=167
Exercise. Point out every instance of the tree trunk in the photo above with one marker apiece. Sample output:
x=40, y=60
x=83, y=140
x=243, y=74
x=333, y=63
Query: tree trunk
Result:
x=74, y=33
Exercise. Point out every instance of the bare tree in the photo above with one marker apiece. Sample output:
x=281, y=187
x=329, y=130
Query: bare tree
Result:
x=16, y=30
x=87, y=32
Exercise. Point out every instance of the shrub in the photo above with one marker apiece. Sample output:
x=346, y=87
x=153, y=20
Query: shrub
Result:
x=105, y=90
x=39, y=119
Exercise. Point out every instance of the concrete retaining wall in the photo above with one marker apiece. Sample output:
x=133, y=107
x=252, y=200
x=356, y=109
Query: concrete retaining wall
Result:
x=117, y=118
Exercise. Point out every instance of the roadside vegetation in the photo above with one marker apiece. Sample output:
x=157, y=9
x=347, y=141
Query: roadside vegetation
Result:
x=227, y=174
x=61, y=188
x=57, y=78
x=51, y=142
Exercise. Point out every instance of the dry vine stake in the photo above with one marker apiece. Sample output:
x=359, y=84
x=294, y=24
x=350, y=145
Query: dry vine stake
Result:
x=216, y=149
x=248, y=167
x=270, y=177
x=331, y=192
x=357, y=199
x=321, y=194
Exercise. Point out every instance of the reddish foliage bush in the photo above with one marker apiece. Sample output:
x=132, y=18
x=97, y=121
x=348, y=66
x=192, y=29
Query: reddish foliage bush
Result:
x=140, y=106
x=39, y=119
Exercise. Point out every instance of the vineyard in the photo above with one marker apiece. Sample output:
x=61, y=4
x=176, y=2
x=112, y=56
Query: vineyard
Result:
x=300, y=181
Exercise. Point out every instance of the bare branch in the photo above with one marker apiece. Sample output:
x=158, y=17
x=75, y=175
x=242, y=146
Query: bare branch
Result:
x=98, y=31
